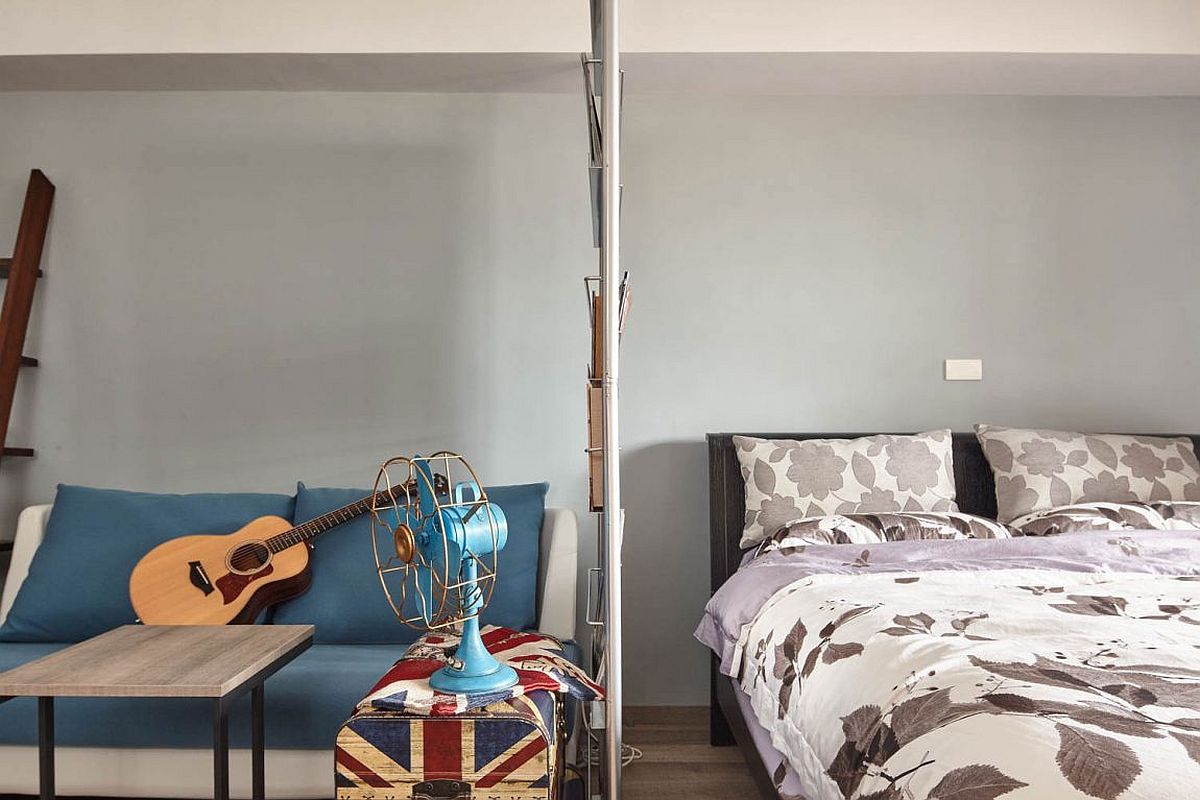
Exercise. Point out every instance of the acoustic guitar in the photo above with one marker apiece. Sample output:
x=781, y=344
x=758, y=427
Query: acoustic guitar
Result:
x=231, y=579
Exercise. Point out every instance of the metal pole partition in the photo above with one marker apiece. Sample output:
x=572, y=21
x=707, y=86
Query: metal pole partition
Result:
x=610, y=293
x=608, y=300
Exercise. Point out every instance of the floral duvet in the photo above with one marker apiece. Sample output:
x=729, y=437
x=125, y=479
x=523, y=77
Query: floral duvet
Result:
x=1046, y=668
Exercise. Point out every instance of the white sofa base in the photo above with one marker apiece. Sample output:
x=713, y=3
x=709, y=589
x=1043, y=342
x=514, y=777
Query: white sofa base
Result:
x=188, y=773
x=129, y=772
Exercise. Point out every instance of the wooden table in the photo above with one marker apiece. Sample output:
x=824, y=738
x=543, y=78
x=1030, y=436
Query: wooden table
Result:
x=218, y=662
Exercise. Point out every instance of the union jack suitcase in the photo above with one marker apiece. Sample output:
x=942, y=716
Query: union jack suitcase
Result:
x=510, y=750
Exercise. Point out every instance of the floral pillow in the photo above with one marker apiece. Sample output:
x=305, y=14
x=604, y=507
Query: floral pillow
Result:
x=879, y=528
x=1037, y=470
x=788, y=480
x=1084, y=517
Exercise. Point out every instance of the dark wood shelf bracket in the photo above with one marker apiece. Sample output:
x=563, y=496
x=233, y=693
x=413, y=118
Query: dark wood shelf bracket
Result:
x=22, y=272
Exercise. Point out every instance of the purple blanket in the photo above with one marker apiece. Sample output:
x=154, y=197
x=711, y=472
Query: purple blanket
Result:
x=737, y=602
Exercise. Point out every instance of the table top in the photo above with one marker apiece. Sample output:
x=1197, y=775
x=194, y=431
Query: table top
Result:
x=161, y=661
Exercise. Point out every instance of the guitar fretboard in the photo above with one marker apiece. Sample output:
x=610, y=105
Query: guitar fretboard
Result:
x=320, y=524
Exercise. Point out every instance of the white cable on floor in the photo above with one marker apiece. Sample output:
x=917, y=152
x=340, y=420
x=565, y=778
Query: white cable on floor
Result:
x=629, y=754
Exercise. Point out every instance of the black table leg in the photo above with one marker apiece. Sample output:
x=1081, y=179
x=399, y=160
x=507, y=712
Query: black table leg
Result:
x=46, y=747
x=220, y=751
x=257, y=745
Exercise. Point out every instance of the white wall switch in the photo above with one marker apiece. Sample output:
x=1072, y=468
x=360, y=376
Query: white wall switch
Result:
x=964, y=369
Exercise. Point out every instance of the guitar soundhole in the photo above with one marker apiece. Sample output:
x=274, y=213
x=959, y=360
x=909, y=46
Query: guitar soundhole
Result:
x=249, y=557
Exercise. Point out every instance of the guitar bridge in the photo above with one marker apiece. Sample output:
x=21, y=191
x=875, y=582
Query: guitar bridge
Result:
x=199, y=577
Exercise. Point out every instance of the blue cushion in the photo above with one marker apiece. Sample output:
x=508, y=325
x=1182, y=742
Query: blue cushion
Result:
x=78, y=583
x=346, y=602
x=306, y=703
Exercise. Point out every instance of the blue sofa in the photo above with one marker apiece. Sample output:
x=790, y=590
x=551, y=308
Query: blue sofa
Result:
x=68, y=581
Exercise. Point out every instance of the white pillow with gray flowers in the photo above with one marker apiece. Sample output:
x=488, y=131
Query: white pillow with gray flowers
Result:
x=1086, y=517
x=1040, y=469
x=787, y=480
x=880, y=528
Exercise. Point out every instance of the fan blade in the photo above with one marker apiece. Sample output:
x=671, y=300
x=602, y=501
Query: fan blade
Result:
x=425, y=486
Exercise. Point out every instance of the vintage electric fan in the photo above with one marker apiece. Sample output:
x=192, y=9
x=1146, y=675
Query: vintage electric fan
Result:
x=436, y=544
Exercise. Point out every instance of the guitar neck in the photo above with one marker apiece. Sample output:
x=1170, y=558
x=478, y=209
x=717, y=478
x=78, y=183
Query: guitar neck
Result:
x=315, y=527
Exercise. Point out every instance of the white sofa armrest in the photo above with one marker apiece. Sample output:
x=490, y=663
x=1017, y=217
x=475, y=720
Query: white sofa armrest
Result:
x=557, y=573
x=31, y=525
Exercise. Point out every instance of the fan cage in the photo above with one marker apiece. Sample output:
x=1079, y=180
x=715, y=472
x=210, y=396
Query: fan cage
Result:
x=396, y=500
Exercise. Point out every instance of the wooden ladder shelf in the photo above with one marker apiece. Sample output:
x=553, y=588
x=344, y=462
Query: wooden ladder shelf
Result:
x=22, y=272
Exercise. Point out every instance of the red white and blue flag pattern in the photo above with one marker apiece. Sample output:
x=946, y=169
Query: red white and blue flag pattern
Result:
x=504, y=752
x=406, y=741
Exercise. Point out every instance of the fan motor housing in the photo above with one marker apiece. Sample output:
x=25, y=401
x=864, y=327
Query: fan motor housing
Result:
x=471, y=529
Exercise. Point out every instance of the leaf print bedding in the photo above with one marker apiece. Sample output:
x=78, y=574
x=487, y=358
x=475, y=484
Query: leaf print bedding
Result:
x=1046, y=668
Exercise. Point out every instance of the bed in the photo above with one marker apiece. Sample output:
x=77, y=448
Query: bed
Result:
x=829, y=624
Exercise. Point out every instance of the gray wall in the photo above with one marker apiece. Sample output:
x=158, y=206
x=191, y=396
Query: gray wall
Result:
x=243, y=290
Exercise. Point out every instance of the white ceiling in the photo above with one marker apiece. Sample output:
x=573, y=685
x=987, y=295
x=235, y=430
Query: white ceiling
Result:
x=40, y=27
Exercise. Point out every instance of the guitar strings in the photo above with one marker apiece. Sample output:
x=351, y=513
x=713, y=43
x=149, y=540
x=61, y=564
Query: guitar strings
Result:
x=250, y=556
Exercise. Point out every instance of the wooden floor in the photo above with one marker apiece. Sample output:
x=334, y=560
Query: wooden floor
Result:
x=677, y=761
